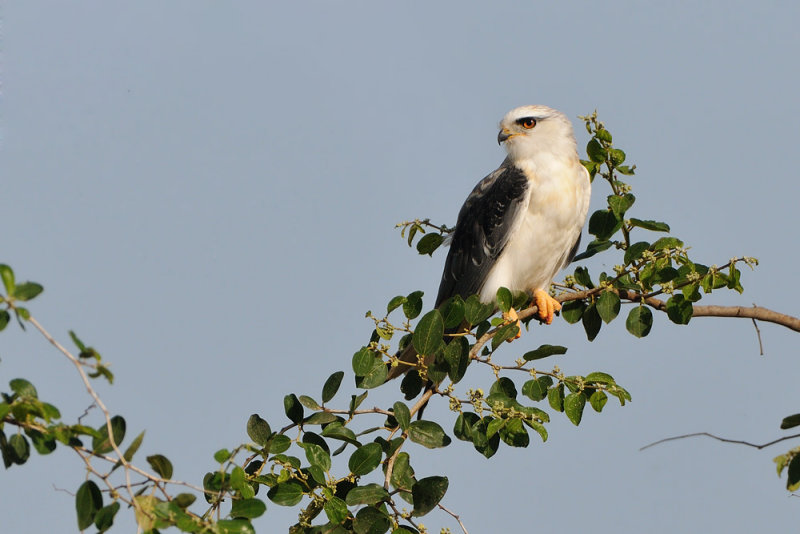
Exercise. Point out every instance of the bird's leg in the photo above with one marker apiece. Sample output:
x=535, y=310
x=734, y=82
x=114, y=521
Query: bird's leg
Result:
x=547, y=305
x=511, y=317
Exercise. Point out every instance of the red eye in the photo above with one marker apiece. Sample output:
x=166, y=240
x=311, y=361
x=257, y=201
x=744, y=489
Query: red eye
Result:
x=527, y=123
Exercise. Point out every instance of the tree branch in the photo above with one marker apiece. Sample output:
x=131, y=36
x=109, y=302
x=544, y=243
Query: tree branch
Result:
x=726, y=440
x=754, y=312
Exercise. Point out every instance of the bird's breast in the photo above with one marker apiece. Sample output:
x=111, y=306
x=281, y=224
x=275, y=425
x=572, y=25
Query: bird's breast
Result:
x=549, y=225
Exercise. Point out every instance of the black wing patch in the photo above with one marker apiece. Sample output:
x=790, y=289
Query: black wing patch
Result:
x=482, y=232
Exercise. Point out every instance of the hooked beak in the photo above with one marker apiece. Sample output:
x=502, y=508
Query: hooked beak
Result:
x=503, y=135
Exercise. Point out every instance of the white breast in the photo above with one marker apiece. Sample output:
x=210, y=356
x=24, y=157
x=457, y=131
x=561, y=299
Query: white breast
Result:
x=550, y=223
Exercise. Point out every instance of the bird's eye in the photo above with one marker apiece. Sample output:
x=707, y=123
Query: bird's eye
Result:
x=527, y=122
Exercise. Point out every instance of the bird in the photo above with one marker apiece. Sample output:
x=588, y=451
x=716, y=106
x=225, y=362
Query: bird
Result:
x=522, y=223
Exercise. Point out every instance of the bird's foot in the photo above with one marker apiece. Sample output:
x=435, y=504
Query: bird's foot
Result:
x=511, y=317
x=547, y=305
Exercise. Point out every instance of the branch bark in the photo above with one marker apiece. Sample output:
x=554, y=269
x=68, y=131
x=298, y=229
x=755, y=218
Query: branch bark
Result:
x=755, y=312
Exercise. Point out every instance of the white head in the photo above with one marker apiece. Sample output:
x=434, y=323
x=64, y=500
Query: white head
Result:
x=529, y=131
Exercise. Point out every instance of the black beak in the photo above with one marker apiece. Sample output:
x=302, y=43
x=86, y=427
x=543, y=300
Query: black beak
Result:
x=502, y=135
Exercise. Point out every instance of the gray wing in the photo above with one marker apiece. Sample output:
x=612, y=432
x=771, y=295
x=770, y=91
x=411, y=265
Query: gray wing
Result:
x=482, y=231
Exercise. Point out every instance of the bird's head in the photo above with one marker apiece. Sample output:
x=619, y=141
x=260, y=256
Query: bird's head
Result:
x=529, y=131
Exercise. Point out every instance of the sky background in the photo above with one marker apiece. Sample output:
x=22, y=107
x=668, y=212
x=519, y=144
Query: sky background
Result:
x=208, y=192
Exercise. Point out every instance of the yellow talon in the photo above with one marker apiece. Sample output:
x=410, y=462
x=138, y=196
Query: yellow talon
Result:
x=512, y=317
x=547, y=305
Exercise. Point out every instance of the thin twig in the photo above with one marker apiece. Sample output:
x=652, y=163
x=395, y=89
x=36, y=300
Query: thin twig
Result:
x=726, y=440
x=454, y=516
x=758, y=335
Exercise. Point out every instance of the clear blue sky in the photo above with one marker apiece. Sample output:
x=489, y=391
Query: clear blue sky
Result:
x=208, y=192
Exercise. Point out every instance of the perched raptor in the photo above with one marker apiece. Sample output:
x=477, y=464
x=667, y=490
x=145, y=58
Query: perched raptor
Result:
x=522, y=223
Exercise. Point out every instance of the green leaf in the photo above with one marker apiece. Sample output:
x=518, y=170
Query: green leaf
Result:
x=375, y=376
x=476, y=311
x=428, y=434
x=43, y=443
x=582, y=277
x=603, y=224
x=133, y=447
x=536, y=389
x=627, y=169
x=293, y=408
x=573, y=406
x=655, y=226
x=402, y=414
x=363, y=361
x=27, y=291
x=595, y=151
x=452, y=311
x=670, y=242
x=19, y=448
x=403, y=476
x=5, y=317
x=332, y=386
x=572, y=310
x=23, y=388
x=543, y=352
x=504, y=386
x=319, y=418
x=222, y=456
x=365, y=459
x=395, y=303
x=279, y=443
x=608, y=306
x=504, y=299
x=591, y=321
x=598, y=399
x=464, y=424
x=427, y=493
x=429, y=243
x=617, y=156
x=286, y=493
x=619, y=204
x=413, y=304
x=514, y=434
x=504, y=333
x=7, y=274
x=635, y=251
x=104, y=518
x=336, y=510
x=598, y=245
x=599, y=378
x=368, y=494
x=248, y=508
x=603, y=135
x=793, y=474
x=161, y=465
x=640, y=321
x=790, y=421
x=555, y=396
x=309, y=403
x=339, y=431
x=428, y=334
x=258, y=429
x=88, y=500
x=456, y=354
x=370, y=520
x=679, y=310
x=101, y=444
x=184, y=500
x=235, y=526
x=318, y=456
